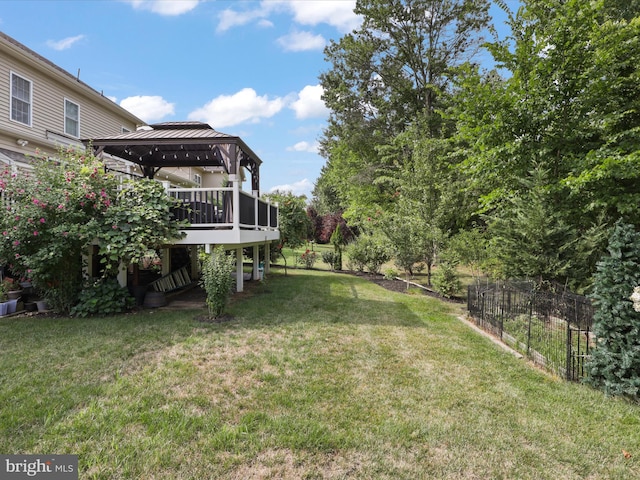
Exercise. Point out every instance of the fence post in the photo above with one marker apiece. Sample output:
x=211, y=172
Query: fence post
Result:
x=569, y=363
x=502, y=313
x=531, y=301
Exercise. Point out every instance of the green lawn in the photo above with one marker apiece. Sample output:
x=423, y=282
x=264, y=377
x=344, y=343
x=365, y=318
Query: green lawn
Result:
x=292, y=256
x=319, y=375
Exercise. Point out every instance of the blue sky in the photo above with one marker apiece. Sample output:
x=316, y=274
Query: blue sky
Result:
x=248, y=68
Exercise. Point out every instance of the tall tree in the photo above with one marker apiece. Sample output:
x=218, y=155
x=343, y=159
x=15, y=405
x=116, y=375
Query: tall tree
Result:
x=568, y=106
x=417, y=224
x=395, y=68
x=293, y=222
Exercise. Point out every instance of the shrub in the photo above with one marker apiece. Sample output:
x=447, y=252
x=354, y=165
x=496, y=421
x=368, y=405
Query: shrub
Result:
x=48, y=219
x=218, y=280
x=369, y=251
x=446, y=281
x=357, y=256
x=390, y=274
x=52, y=214
x=103, y=297
x=329, y=258
x=338, y=241
x=307, y=259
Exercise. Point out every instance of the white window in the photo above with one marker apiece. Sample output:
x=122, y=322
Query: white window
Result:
x=71, y=118
x=21, y=91
x=197, y=179
x=125, y=130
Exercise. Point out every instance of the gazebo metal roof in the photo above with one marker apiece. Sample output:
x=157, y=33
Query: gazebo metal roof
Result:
x=180, y=144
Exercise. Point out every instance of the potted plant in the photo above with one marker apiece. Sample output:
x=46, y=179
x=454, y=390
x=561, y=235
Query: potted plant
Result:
x=12, y=288
x=4, y=305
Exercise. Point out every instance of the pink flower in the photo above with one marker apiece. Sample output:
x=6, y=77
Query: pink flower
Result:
x=16, y=243
x=35, y=233
x=42, y=220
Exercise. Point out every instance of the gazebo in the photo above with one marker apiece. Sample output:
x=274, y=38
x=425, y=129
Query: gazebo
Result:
x=217, y=215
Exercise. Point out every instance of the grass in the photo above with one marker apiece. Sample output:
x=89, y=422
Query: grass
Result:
x=319, y=375
x=292, y=256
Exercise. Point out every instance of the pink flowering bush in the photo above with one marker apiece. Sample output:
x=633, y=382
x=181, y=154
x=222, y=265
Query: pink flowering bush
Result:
x=50, y=215
x=307, y=259
x=44, y=222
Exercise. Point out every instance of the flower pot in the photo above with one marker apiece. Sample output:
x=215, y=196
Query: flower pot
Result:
x=155, y=300
x=42, y=305
x=30, y=306
x=14, y=294
x=139, y=292
x=12, y=306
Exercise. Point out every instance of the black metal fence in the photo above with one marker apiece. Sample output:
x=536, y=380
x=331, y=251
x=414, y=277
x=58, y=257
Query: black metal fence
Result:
x=553, y=329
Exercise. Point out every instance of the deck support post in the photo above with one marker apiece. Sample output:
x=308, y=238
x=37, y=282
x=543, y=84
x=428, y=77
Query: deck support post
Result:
x=195, y=264
x=267, y=257
x=122, y=275
x=166, y=261
x=256, y=262
x=239, y=271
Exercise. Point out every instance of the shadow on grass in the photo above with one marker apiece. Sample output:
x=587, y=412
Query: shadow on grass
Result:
x=304, y=296
x=50, y=366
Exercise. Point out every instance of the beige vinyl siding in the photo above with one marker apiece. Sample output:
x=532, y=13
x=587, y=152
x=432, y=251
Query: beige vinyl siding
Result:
x=95, y=121
x=49, y=89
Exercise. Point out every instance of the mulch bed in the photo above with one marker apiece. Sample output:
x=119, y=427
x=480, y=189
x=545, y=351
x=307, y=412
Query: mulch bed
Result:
x=400, y=286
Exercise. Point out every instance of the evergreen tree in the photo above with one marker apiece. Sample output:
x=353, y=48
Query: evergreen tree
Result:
x=614, y=366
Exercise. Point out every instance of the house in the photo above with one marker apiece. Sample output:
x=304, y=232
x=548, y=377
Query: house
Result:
x=43, y=107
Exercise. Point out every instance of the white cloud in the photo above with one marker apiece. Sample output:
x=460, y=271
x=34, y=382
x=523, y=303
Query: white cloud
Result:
x=305, y=147
x=229, y=18
x=338, y=14
x=303, y=187
x=312, y=12
x=64, y=43
x=148, y=108
x=243, y=106
x=301, y=41
x=265, y=23
x=165, y=7
x=309, y=103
